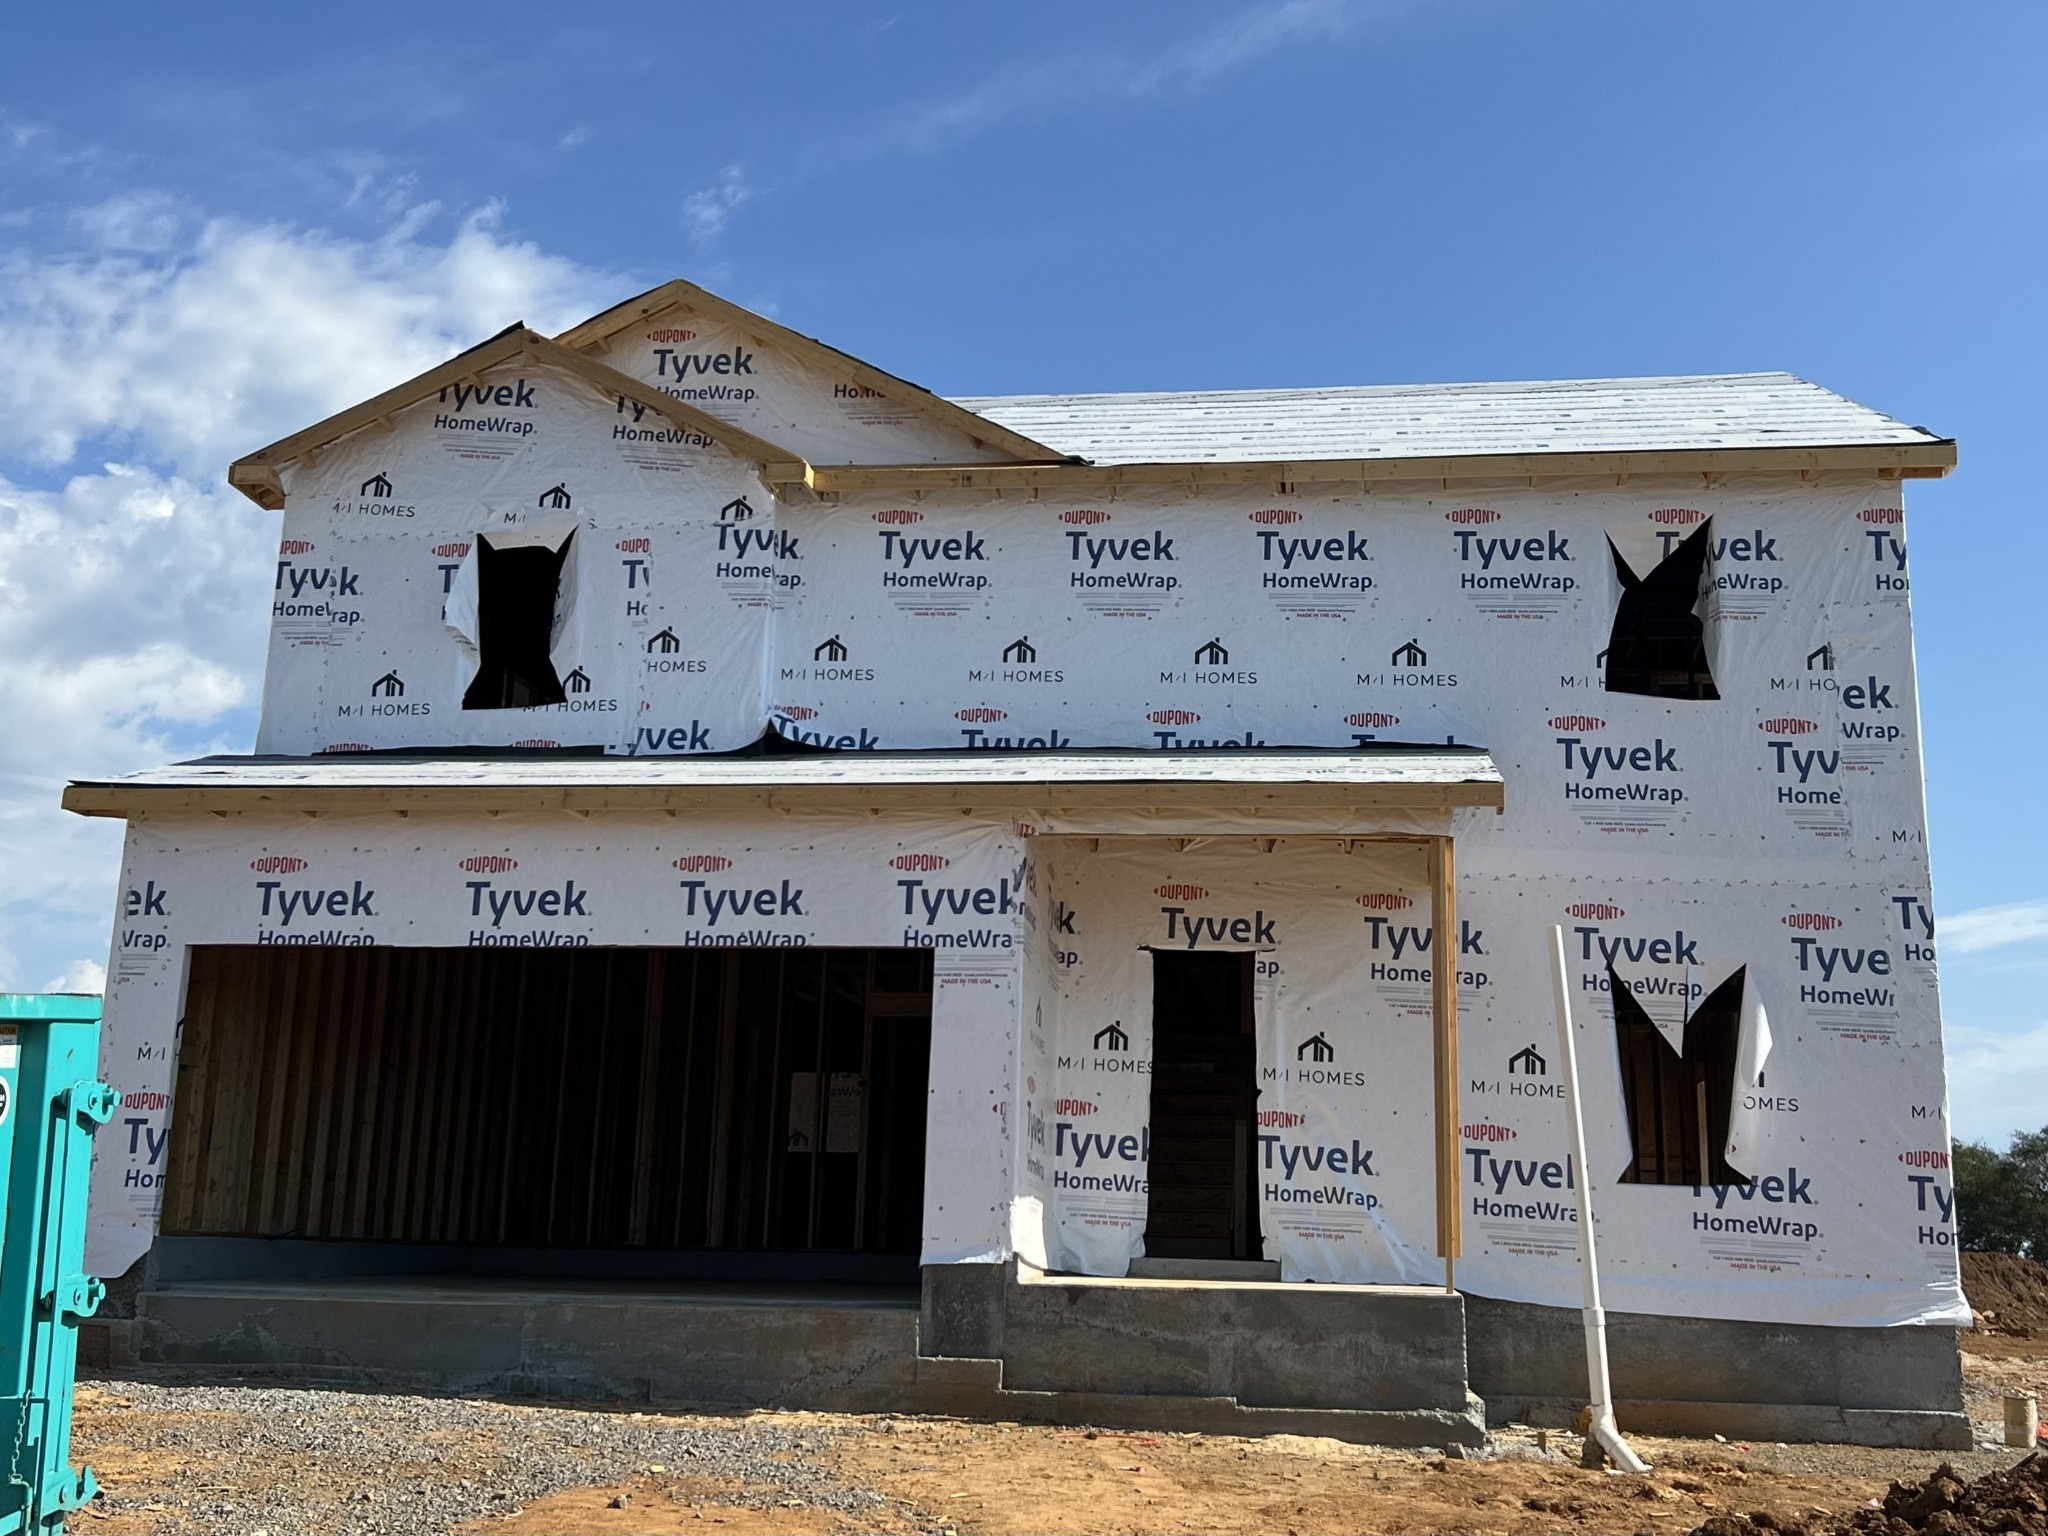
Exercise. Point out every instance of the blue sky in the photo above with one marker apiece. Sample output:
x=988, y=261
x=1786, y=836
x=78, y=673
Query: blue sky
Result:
x=219, y=223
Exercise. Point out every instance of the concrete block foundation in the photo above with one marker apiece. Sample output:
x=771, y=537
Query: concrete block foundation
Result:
x=1395, y=1365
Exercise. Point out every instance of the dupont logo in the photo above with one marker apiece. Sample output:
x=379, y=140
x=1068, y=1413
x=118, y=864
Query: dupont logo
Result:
x=1786, y=725
x=1577, y=723
x=1173, y=891
x=278, y=864
x=1486, y=1130
x=671, y=337
x=1173, y=717
x=901, y=516
x=1811, y=922
x=1680, y=516
x=294, y=546
x=1084, y=515
x=923, y=862
x=346, y=746
x=1595, y=911
x=701, y=863
x=1285, y=1119
x=797, y=712
x=533, y=743
x=1385, y=901
x=981, y=714
x=1372, y=717
x=1888, y=515
x=1920, y=1157
x=636, y=546
x=1274, y=515
x=1471, y=515
x=1075, y=1107
x=489, y=863
x=451, y=551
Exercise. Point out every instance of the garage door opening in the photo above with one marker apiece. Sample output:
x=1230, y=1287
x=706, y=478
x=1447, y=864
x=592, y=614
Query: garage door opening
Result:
x=738, y=1102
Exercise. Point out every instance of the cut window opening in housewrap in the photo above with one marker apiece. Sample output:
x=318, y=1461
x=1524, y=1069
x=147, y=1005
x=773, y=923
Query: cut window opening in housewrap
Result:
x=517, y=590
x=1679, y=1102
x=1658, y=645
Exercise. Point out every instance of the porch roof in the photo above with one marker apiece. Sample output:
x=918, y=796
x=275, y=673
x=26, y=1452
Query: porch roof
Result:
x=1380, y=777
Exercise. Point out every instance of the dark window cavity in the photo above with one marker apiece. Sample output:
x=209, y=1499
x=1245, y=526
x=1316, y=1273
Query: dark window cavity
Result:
x=1679, y=1102
x=1658, y=645
x=516, y=595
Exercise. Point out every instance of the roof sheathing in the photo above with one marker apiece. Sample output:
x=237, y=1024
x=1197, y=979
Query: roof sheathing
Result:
x=1724, y=412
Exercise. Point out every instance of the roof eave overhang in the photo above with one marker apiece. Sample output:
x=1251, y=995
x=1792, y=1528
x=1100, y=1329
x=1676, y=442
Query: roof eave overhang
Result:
x=131, y=800
x=595, y=334
x=1896, y=461
x=258, y=475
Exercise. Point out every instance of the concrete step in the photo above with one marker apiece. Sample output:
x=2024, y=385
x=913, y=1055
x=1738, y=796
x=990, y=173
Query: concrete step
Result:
x=1242, y=1271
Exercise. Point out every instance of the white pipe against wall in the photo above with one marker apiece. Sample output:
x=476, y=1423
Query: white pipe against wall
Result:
x=1603, y=1430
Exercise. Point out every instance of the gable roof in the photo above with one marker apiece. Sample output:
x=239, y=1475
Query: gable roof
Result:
x=1744, y=411
x=256, y=476
x=595, y=332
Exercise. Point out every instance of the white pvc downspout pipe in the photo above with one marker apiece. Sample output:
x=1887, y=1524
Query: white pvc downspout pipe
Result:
x=1603, y=1430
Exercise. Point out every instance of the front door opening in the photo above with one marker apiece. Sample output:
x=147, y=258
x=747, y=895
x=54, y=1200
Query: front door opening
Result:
x=1203, y=1176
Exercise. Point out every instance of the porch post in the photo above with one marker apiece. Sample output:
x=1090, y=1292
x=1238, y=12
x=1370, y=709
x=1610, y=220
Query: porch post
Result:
x=1443, y=969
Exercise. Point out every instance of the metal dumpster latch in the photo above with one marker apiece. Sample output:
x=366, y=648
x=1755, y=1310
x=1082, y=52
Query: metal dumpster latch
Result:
x=76, y=1298
x=94, y=1103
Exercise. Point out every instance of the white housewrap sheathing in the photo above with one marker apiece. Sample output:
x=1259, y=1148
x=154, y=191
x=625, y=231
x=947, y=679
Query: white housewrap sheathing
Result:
x=1779, y=829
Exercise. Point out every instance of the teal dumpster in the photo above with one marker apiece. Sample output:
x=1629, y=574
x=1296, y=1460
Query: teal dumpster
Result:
x=51, y=1102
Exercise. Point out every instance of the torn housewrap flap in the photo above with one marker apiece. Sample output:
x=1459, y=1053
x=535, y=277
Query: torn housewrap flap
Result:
x=517, y=528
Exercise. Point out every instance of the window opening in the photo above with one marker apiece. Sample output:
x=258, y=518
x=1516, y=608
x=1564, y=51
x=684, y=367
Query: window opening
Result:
x=516, y=594
x=1679, y=1102
x=1658, y=644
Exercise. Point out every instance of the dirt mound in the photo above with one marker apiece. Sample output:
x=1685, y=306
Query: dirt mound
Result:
x=2008, y=1292
x=1944, y=1505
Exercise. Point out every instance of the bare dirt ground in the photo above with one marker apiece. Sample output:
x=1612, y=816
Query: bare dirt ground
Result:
x=281, y=1462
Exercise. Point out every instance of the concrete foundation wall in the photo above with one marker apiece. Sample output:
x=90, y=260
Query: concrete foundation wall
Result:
x=1691, y=1375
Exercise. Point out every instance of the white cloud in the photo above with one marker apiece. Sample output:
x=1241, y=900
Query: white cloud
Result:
x=1190, y=64
x=1997, y=1081
x=132, y=581
x=2017, y=922
x=1245, y=37
x=192, y=354
x=83, y=976
x=705, y=213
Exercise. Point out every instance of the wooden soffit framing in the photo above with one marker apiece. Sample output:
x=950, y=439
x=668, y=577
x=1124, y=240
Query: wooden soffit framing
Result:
x=595, y=334
x=125, y=800
x=257, y=475
x=1916, y=461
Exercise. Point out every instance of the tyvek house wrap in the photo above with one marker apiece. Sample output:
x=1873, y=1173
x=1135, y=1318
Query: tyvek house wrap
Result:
x=1779, y=827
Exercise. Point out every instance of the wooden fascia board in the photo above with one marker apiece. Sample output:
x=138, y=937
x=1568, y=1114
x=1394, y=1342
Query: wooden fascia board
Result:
x=256, y=475
x=124, y=800
x=600, y=328
x=258, y=471
x=1902, y=461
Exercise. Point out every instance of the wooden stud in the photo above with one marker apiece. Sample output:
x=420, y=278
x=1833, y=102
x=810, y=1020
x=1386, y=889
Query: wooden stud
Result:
x=1443, y=885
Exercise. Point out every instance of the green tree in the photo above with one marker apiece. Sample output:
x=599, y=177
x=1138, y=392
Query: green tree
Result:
x=2002, y=1197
